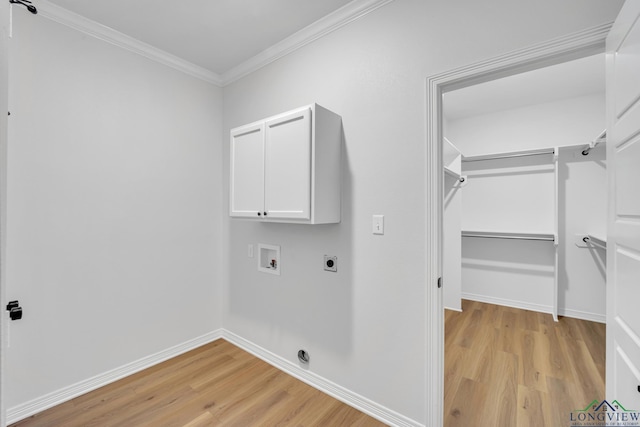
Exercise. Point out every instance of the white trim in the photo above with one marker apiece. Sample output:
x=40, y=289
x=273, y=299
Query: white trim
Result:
x=350, y=398
x=576, y=314
x=352, y=11
x=5, y=34
x=57, y=397
x=109, y=35
x=523, y=305
x=583, y=315
x=361, y=403
x=571, y=46
x=434, y=213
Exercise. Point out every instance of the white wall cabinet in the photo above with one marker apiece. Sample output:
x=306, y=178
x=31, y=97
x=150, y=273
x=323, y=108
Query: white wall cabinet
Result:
x=287, y=168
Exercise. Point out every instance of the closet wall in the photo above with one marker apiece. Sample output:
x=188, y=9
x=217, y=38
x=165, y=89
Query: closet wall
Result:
x=510, y=195
x=520, y=272
x=452, y=221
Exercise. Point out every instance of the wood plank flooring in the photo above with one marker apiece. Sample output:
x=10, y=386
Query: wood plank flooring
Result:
x=507, y=367
x=215, y=385
x=504, y=367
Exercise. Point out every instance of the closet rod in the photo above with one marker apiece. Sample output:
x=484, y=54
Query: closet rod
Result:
x=454, y=174
x=595, y=241
x=509, y=235
x=602, y=138
x=508, y=155
x=26, y=3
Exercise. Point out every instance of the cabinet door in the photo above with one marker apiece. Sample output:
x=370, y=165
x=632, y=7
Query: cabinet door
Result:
x=247, y=171
x=288, y=166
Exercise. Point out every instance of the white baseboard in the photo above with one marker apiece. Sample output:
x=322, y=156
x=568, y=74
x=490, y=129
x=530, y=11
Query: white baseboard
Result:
x=508, y=303
x=361, y=403
x=57, y=397
x=583, y=315
x=577, y=314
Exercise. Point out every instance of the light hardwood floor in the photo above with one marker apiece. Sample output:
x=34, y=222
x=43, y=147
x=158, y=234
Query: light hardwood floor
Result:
x=507, y=367
x=504, y=367
x=215, y=385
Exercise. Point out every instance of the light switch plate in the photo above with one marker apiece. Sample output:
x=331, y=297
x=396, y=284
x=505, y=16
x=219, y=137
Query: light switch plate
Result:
x=378, y=224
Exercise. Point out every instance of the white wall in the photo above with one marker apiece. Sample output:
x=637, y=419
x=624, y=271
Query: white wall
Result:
x=490, y=269
x=364, y=326
x=583, y=192
x=570, y=121
x=452, y=243
x=509, y=195
x=115, y=212
x=451, y=224
x=114, y=209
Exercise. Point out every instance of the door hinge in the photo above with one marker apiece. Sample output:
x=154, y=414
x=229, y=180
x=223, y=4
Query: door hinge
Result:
x=14, y=309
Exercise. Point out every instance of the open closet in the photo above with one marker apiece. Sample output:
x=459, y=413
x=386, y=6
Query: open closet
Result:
x=525, y=191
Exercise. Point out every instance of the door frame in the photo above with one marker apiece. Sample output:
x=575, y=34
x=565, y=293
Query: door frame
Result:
x=566, y=48
x=5, y=23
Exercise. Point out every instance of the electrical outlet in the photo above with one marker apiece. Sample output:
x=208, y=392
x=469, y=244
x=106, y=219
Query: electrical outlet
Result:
x=330, y=263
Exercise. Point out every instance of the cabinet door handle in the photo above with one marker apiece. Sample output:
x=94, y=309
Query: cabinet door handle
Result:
x=259, y=214
x=265, y=214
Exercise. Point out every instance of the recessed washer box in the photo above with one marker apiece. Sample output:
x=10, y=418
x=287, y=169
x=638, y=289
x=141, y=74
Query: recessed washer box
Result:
x=269, y=258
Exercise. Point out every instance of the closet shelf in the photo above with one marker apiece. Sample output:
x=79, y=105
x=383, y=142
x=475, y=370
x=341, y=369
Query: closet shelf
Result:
x=509, y=235
x=506, y=155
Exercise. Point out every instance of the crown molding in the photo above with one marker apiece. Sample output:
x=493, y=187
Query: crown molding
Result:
x=109, y=35
x=350, y=12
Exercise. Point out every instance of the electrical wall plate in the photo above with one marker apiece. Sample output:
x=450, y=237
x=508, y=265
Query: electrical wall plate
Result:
x=330, y=263
x=378, y=224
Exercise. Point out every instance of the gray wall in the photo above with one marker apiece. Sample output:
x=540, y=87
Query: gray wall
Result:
x=364, y=326
x=114, y=207
x=119, y=241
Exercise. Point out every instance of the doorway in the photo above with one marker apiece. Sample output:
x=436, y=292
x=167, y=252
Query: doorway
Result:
x=520, y=205
x=586, y=43
x=529, y=188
